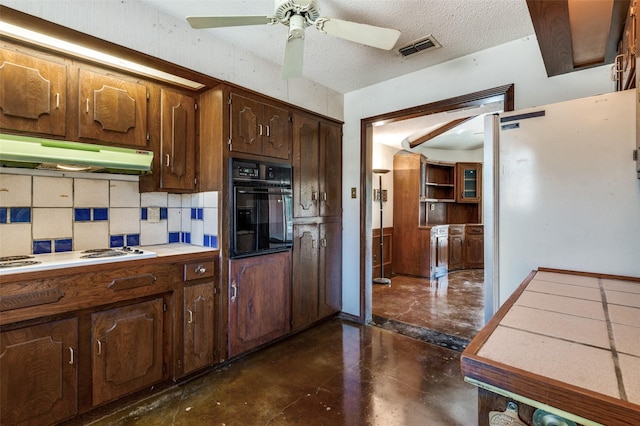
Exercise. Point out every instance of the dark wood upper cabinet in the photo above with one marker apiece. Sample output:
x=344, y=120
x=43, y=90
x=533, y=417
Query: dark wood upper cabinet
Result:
x=177, y=140
x=33, y=93
x=259, y=128
x=112, y=109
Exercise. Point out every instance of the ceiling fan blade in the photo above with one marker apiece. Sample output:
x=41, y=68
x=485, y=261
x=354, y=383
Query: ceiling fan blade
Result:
x=382, y=38
x=200, y=22
x=293, y=55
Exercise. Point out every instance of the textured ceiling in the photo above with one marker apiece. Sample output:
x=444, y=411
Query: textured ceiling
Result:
x=461, y=26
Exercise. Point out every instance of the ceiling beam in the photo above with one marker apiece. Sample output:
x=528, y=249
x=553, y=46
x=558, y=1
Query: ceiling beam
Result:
x=440, y=130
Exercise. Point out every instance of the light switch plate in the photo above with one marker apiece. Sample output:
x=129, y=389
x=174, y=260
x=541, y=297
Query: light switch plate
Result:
x=153, y=214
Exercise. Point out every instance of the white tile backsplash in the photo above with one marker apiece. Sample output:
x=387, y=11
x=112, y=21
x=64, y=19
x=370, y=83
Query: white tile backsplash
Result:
x=124, y=220
x=174, y=200
x=15, y=239
x=93, y=212
x=15, y=191
x=90, y=235
x=50, y=223
x=91, y=193
x=153, y=233
x=153, y=199
x=52, y=192
x=123, y=194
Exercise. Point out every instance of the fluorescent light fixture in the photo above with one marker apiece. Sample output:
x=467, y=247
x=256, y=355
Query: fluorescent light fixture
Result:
x=13, y=31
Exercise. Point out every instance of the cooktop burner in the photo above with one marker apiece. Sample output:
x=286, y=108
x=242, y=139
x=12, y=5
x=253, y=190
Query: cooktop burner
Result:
x=14, y=258
x=17, y=263
x=40, y=262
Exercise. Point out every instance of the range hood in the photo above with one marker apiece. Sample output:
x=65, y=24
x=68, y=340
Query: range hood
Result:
x=48, y=154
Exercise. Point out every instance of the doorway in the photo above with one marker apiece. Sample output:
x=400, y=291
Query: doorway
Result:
x=431, y=309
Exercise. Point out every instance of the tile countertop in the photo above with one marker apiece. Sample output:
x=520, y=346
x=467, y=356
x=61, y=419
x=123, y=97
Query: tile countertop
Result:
x=173, y=249
x=565, y=341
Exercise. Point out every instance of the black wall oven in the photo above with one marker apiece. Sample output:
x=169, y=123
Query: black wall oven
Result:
x=261, y=208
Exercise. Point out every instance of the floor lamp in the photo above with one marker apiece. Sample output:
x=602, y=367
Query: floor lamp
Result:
x=381, y=279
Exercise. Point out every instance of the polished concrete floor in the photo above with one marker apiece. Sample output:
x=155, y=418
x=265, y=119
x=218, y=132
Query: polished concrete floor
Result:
x=336, y=373
x=449, y=309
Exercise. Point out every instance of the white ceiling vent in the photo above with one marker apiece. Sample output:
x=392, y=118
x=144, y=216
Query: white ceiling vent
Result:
x=426, y=43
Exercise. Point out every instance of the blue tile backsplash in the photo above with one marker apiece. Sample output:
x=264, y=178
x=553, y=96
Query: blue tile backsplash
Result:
x=82, y=213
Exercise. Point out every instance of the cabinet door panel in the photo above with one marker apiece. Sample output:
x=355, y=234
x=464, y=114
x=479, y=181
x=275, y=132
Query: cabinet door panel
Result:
x=33, y=94
x=306, y=191
x=330, y=268
x=245, y=119
x=277, y=136
x=305, y=274
x=127, y=349
x=177, y=140
x=198, y=326
x=39, y=377
x=259, y=301
x=330, y=180
x=112, y=110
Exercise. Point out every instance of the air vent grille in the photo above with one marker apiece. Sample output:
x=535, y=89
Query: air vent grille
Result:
x=420, y=45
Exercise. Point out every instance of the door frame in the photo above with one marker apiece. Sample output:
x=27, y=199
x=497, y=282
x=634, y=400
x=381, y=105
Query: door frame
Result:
x=505, y=93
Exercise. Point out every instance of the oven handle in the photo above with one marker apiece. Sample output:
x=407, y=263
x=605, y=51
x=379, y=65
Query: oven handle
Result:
x=271, y=191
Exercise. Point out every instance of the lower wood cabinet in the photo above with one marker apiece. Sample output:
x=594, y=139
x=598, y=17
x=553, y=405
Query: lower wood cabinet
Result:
x=127, y=351
x=456, y=247
x=474, y=236
x=439, y=251
x=317, y=283
x=199, y=323
x=39, y=373
x=259, y=300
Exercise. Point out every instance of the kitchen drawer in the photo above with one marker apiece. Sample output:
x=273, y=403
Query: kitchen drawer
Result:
x=456, y=229
x=474, y=229
x=440, y=231
x=198, y=270
x=94, y=286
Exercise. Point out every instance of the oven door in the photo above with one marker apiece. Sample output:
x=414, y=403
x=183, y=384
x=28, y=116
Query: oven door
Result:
x=261, y=220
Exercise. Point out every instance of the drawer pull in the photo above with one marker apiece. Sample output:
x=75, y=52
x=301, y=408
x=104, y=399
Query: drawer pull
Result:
x=132, y=282
x=35, y=298
x=200, y=269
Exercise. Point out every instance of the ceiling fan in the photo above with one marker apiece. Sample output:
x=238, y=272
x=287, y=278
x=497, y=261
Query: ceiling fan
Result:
x=297, y=15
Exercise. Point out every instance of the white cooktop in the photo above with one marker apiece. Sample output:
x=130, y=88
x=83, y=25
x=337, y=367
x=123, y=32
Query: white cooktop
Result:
x=41, y=262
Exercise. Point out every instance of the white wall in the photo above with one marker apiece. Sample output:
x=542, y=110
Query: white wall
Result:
x=135, y=25
x=517, y=62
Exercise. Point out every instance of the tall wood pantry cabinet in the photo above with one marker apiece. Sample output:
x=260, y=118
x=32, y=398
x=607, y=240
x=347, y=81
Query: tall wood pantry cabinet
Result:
x=317, y=212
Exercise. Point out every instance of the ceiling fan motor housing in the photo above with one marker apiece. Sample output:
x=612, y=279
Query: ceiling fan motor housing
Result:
x=308, y=9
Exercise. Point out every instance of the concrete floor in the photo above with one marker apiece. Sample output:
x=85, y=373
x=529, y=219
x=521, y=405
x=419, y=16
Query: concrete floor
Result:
x=448, y=311
x=337, y=373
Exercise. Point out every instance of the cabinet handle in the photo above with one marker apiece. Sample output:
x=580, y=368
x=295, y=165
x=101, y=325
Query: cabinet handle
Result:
x=260, y=125
x=314, y=244
x=200, y=269
x=99, y=347
x=268, y=131
x=234, y=291
x=324, y=196
x=314, y=196
x=57, y=100
x=71, y=360
x=87, y=105
x=166, y=160
x=323, y=242
x=190, y=316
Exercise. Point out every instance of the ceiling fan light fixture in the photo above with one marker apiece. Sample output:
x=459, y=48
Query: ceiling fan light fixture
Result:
x=422, y=44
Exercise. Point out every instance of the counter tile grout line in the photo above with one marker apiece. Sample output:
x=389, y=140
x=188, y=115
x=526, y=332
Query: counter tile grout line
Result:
x=612, y=343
